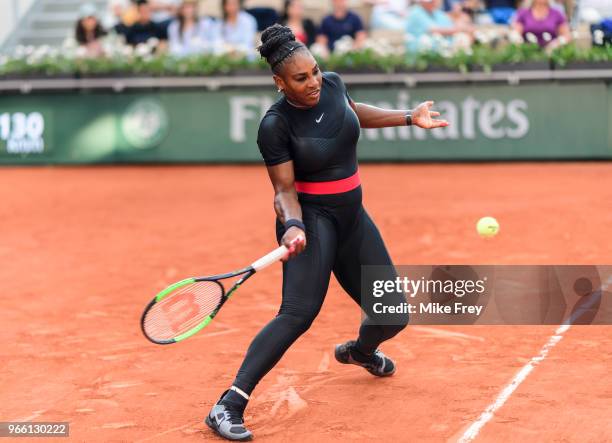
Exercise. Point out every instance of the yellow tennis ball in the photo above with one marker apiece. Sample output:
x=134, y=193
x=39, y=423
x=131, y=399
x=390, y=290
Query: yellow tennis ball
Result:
x=487, y=227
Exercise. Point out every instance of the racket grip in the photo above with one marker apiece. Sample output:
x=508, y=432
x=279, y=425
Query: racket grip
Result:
x=270, y=258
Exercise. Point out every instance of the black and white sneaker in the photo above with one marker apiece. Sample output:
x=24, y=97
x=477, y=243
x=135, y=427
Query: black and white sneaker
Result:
x=228, y=423
x=377, y=364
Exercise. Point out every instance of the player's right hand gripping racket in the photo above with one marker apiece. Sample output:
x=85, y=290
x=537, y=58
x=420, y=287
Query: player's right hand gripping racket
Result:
x=184, y=308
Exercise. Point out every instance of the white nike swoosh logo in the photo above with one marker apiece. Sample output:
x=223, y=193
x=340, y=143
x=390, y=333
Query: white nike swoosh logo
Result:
x=320, y=118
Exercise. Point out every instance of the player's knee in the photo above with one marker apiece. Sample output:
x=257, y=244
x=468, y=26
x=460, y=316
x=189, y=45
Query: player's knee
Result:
x=302, y=322
x=299, y=321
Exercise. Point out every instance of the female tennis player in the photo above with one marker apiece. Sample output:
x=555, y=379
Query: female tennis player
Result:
x=308, y=140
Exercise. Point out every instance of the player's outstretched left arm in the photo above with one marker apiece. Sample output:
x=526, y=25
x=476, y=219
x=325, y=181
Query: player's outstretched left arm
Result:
x=421, y=116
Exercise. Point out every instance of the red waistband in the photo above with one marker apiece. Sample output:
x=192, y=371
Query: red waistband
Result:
x=331, y=187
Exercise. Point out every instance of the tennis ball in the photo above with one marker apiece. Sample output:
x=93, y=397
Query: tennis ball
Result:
x=487, y=227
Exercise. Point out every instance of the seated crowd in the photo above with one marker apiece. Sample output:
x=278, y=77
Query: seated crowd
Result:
x=178, y=28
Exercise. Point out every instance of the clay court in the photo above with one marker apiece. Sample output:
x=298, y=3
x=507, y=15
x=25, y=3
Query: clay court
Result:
x=84, y=249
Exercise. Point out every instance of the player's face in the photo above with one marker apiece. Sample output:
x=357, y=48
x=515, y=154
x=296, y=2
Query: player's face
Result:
x=301, y=79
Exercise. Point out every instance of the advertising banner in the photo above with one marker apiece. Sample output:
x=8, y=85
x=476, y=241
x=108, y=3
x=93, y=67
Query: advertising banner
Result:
x=487, y=122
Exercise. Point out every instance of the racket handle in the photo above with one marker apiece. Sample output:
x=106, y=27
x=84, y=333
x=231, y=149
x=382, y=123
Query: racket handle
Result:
x=270, y=258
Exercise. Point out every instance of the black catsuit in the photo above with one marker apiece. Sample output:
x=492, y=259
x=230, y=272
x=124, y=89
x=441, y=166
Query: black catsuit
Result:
x=340, y=235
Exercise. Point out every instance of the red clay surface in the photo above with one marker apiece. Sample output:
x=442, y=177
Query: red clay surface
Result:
x=83, y=250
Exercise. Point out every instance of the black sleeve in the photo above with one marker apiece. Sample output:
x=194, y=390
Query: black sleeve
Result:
x=273, y=139
x=335, y=78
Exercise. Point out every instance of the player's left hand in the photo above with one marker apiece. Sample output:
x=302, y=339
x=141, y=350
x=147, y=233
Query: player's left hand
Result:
x=422, y=116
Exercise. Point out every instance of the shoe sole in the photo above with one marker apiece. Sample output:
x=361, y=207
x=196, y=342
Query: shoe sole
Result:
x=210, y=424
x=384, y=375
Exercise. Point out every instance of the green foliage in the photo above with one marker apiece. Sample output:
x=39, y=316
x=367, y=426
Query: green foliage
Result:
x=570, y=53
x=362, y=61
x=511, y=54
x=480, y=56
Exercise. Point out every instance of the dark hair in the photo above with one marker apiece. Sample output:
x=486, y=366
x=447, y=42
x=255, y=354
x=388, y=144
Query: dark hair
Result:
x=224, y=2
x=82, y=37
x=278, y=44
x=181, y=19
x=285, y=17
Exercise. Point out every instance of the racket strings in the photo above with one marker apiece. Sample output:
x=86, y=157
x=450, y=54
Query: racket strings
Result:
x=182, y=310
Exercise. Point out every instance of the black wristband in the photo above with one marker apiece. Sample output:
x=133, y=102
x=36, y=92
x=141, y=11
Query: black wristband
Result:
x=409, y=118
x=295, y=222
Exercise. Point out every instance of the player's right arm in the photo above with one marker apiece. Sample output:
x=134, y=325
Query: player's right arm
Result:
x=287, y=206
x=273, y=140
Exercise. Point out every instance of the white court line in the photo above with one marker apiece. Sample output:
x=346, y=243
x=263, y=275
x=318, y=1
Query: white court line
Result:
x=472, y=432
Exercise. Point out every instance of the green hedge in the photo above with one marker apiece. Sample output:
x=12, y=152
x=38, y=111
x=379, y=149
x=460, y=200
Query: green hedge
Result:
x=479, y=58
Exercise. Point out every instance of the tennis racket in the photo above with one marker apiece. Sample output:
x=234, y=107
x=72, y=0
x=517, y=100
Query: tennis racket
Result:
x=184, y=308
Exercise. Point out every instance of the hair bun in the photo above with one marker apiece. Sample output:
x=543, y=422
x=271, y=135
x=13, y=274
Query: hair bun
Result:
x=273, y=38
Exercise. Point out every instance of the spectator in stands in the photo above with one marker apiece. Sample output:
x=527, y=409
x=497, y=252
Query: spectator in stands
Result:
x=144, y=28
x=189, y=35
x=293, y=17
x=501, y=11
x=120, y=15
x=164, y=10
x=542, y=24
x=602, y=33
x=426, y=19
x=462, y=12
x=238, y=28
x=89, y=31
x=389, y=15
x=265, y=16
x=163, y=13
x=341, y=22
x=466, y=7
x=597, y=13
